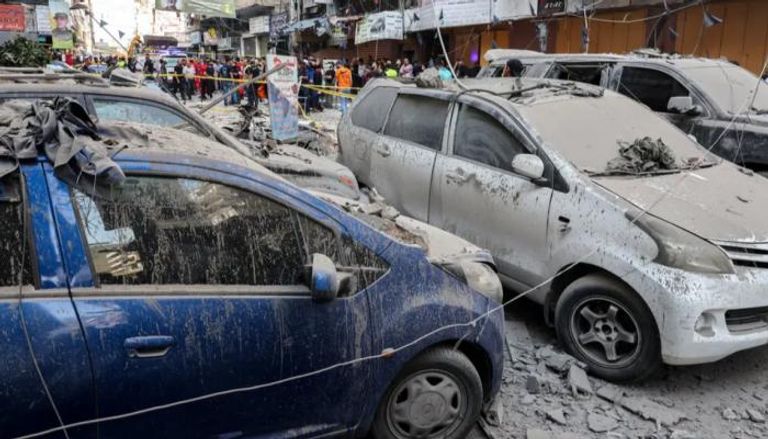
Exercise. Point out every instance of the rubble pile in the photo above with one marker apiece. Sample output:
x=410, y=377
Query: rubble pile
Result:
x=547, y=394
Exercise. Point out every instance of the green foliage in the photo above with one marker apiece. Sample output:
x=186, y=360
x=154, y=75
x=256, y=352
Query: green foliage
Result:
x=21, y=52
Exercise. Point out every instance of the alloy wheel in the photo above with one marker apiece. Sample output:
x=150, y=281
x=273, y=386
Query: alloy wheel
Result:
x=605, y=331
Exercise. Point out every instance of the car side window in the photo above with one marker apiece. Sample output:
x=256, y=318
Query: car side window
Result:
x=418, y=119
x=153, y=230
x=127, y=111
x=17, y=257
x=371, y=112
x=482, y=138
x=651, y=87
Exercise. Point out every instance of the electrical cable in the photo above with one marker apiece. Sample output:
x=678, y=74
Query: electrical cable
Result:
x=389, y=352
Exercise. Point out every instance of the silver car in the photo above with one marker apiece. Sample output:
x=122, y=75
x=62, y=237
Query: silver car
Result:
x=667, y=264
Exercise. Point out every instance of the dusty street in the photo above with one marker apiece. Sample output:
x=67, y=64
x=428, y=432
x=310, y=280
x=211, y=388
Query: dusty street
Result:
x=724, y=399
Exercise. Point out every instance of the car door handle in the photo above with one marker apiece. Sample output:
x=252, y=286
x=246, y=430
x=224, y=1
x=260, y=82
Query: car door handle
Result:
x=384, y=150
x=149, y=346
x=458, y=176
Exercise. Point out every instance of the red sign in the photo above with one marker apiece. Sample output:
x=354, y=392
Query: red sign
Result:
x=12, y=18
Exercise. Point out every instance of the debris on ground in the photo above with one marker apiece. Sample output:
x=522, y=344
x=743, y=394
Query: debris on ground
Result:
x=643, y=156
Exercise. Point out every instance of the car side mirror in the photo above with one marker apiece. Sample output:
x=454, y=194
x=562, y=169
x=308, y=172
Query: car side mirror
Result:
x=325, y=280
x=528, y=165
x=683, y=105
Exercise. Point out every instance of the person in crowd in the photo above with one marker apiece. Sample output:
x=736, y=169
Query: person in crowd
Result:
x=252, y=71
x=208, y=83
x=343, y=84
x=149, y=66
x=189, y=77
x=318, y=82
x=179, y=81
x=225, y=75
x=513, y=69
x=390, y=71
x=443, y=71
x=406, y=69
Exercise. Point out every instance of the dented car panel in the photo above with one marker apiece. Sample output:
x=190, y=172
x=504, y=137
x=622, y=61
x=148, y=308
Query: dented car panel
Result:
x=157, y=342
x=575, y=215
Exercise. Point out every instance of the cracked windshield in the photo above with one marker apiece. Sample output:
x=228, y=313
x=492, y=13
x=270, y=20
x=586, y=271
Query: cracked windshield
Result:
x=385, y=219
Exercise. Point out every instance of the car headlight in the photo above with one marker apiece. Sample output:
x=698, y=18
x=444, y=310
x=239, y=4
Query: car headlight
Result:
x=684, y=250
x=480, y=277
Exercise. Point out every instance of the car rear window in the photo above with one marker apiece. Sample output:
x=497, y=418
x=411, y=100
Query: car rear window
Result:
x=371, y=111
x=418, y=119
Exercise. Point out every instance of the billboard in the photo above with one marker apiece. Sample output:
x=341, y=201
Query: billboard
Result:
x=258, y=25
x=380, y=26
x=61, y=27
x=12, y=18
x=515, y=10
x=277, y=22
x=209, y=8
x=283, y=90
x=454, y=13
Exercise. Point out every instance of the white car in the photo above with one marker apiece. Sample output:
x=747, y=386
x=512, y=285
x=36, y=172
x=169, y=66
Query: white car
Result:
x=669, y=264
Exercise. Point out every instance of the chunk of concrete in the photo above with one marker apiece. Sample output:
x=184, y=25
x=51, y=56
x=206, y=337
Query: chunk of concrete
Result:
x=730, y=414
x=532, y=385
x=755, y=416
x=648, y=409
x=559, y=362
x=579, y=382
x=611, y=393
x=600, y=423
x=556, y=415
x=535, y=433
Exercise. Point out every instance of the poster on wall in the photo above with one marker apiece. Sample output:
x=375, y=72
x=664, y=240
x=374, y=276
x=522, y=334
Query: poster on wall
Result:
x=61, y=28
x=380, y=26
x=277, y=22
x=43, y=19
x=514, y=10
x=454, y=13
x=209, y=8
x=12, y=18
x=283, y=91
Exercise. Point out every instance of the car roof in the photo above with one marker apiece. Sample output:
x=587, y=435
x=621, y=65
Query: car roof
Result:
x=499, y=89
x=674, y=60
x=68, y=88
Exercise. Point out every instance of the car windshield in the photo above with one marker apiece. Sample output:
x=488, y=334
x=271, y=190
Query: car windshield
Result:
x=590, y=131
x=730, y=86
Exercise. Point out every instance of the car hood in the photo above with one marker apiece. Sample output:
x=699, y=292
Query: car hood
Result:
x=720, y=203
x=441, y=247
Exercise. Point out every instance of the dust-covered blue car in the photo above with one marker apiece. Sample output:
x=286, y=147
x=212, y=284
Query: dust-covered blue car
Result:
x=205, y=297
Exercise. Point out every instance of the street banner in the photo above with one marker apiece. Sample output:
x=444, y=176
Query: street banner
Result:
x=283, y=90
x=43, y=19
x=258, y=25
x=277, y=22
x=380, y=26
x=61, y=29
x=209, y=8
x=12, y=18
x=514, y=10
x=448, y=13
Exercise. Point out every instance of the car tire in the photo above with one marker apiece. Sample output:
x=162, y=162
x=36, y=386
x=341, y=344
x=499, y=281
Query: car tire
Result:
x=605, y=324
x=437, y=395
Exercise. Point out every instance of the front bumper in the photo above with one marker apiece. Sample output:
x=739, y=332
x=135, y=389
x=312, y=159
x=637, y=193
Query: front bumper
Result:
x=691, y=310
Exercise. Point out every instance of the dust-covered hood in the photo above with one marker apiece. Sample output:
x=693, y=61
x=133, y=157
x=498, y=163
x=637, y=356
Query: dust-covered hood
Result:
x=720, y=203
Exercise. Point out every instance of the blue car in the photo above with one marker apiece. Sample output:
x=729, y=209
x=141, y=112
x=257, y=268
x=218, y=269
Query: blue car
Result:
x=205, y=297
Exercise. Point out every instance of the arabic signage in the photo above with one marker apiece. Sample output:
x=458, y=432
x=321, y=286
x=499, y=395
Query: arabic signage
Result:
x=43, y=19
x=12, y=18
x=550, y=7
x=259, y=25
x=277, y=22
x=209, y=8
x=454, y=13
x=283, y=91
x=381, y=26
x=61, y=30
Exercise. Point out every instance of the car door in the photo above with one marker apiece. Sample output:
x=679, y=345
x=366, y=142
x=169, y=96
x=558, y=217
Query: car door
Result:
x=476, y=195
x=654, y=87
x=45, y=374
x=403, y=161
x=198, y=288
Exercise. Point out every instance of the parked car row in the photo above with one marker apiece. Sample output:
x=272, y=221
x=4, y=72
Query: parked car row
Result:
x=718, y=102
x=665, y=263
x=205, y=273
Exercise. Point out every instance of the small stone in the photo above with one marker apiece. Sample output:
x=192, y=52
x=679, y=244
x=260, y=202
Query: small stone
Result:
x=527, y=400
x=601, y=424
x=579, y=382
x=535, y=433
x=730, y=414
x=610, y=393
x=559, y=362
x=556, y=415
x=389, y=213
x=682, y=434
x=532, y=385
x=755, y=416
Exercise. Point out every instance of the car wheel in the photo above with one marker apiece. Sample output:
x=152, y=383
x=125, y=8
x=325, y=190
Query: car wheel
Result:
x=437, y=395
x=606, y=325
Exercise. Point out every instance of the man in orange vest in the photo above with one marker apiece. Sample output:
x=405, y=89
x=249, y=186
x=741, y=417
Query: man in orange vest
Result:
x=343, y=83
